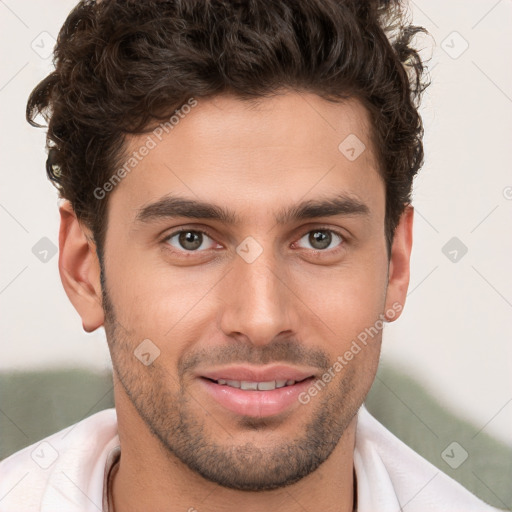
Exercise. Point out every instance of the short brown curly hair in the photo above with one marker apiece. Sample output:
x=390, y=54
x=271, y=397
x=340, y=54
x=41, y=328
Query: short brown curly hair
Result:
x=122, y=64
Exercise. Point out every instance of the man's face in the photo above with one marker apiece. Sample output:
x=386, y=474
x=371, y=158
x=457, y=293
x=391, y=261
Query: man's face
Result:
x=263, y=296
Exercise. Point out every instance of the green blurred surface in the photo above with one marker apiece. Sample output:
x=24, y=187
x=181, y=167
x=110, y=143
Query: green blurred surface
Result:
x=36, y=404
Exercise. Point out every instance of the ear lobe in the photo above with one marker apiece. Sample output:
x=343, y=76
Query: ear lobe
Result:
x=399, y=264
x=79, y=269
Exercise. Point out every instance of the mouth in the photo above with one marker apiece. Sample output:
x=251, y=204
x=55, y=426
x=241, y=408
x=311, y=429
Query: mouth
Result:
x=256, y=392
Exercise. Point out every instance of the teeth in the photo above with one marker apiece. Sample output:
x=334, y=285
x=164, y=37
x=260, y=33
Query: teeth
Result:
x=256, y=386
x=267, y=386
x=245, y=384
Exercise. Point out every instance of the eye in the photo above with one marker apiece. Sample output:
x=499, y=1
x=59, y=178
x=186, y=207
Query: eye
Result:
x=321, y=239
x=190, y=240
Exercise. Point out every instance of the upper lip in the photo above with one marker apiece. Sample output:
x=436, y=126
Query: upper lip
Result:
x=257, y=373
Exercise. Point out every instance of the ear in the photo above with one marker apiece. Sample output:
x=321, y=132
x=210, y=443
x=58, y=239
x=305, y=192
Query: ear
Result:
x=399, y=264
x=79, y=268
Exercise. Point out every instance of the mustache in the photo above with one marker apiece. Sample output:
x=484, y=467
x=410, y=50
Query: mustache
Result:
x=284, y=351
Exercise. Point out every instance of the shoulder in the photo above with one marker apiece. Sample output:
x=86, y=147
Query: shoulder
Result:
x=60, y=469
x=388, y=471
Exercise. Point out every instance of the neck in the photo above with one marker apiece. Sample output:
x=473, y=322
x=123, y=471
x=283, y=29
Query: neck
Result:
x=149, y=478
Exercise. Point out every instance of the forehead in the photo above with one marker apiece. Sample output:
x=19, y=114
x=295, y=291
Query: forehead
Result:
x=249, y=154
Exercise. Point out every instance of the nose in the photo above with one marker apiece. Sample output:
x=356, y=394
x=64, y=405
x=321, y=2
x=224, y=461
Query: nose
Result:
x=259, y=305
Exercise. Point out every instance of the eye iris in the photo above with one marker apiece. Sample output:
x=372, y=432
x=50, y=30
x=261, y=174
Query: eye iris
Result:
x=320, y=239
x=190, y=240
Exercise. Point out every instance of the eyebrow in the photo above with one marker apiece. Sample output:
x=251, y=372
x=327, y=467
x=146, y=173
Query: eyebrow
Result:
x=170, y=206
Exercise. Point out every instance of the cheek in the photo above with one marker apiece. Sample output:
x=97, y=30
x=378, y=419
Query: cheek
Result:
x=347, y=299
x=171, y=307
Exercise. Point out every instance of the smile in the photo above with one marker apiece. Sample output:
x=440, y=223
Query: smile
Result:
x=257, y=399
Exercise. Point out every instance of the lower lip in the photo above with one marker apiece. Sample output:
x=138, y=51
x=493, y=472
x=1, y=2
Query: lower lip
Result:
x=256, y=404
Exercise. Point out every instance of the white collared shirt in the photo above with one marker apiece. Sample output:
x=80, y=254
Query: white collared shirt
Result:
x=68, y=470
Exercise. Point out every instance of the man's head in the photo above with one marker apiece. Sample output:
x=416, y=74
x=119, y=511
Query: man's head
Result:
x=243, y=172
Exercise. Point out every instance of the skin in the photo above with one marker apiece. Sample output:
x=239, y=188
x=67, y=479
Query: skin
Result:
x=294, y=304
